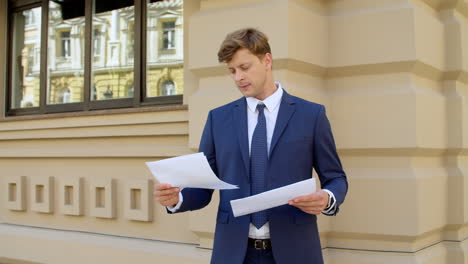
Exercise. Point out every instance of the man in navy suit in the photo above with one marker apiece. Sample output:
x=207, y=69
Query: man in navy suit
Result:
x=265, y=140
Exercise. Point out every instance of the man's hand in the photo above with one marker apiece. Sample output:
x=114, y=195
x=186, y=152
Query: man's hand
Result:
x=313, y=203
x=165, y=194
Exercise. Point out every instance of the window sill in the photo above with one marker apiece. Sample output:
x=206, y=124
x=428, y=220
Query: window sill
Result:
x=97, y=113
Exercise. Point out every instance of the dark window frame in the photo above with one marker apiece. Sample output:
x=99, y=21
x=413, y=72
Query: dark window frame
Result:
x=139, y=94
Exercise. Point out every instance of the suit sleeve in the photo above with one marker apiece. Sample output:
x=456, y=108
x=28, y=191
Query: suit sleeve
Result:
x=196, y=198
x=327, y=164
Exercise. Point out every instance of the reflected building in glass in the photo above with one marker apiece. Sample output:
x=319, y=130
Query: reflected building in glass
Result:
x=113, y=51
x=65, y=55
x=26, y=58
x=164, y=54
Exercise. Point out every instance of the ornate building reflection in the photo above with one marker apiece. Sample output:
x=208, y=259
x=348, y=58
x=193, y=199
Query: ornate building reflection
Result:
x=112, y=66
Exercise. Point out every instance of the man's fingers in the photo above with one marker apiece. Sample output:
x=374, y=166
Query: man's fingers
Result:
x=311, y=210
x=308, y=198
x=165, y=194
x=170, y=191
x=166, y=198
x=310, y=207
x=163, y=189
x=162, y=186
x=169, y=202
x=305, y=203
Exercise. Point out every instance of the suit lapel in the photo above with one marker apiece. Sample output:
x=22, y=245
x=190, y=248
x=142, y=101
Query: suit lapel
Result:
x=240, y=120
x=287, y=108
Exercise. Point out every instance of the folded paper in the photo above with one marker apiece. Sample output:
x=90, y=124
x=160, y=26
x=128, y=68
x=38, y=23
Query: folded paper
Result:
x=191, y=171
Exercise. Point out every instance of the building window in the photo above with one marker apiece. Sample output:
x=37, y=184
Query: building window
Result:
x=65, y=58
x=24, y=82
x=97, y=49
x=168, y=88
x=106, y=56
x=64, y=96
x=168, y=35
x=30, y=60
x=131, y=41
x=164, y=54
x=65, y=44
x=29, y=18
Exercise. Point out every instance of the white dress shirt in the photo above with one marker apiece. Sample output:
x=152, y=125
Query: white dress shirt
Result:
x=272, y=105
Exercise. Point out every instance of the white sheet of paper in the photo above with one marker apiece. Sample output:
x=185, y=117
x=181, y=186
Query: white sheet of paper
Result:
x=191, y=171
x=272, y=198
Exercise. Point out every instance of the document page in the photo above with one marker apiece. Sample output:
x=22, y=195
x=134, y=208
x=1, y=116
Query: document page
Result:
x=272, y=198
x=191, y=171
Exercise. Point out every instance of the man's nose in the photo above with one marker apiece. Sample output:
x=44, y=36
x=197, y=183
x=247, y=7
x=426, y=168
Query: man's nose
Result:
x=239, y=76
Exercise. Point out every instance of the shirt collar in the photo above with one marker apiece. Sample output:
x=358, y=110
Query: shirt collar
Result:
x=271, y=102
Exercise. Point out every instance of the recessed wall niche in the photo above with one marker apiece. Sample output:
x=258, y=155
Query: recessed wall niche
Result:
x=138, y=200
x=16, y=193
x=42, y=194
x=102, y=198
x=71, y=195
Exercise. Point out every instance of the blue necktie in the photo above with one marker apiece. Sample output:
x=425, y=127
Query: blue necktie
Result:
x=258, y=164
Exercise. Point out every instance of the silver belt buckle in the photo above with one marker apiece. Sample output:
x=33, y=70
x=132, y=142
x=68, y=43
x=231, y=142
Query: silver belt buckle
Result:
x=260, y=244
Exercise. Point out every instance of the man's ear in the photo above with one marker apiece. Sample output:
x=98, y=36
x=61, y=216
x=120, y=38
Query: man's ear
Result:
x=268, y=60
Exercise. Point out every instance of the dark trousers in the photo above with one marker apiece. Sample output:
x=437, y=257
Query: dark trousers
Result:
x=255, y=256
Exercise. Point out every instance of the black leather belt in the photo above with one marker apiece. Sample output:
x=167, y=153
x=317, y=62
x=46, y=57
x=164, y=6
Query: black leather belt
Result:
x=260, y=244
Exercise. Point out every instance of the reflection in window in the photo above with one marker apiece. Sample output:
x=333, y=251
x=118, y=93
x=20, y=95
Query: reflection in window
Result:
x=168, y=35
x=164, y=54
x=64, y=96
x=108, y=93
x=131, y=91
x=65, y=78
x=112, y=43
x=25, y=64
x=112, y=71
x=29, y=18
x=97, y=42
x=168, y=88
x=30, y=60
x=131, y=41
x=65, y=44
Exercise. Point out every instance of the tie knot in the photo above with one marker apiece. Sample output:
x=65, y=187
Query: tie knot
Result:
x=260, y=107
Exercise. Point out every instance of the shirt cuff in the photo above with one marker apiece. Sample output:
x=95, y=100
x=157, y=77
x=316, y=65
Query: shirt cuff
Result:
x=174, y=209
x=331, y=207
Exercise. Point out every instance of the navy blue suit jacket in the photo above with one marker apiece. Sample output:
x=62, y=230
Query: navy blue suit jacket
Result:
x=302, y=140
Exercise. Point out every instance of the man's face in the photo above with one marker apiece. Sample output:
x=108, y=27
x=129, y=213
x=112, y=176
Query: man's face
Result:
x=250, y=73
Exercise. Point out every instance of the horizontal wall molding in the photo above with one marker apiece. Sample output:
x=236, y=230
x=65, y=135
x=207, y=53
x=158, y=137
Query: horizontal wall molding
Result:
x=102, y=131
x=459, y=5
x=415, y=67
x=402, y=152
x=95, y=121
x=141, y=146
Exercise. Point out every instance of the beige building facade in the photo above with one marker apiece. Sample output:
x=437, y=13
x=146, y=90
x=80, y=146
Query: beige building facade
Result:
x=393, y=75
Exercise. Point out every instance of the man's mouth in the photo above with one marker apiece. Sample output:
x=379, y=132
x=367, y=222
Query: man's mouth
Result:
x=243, y=86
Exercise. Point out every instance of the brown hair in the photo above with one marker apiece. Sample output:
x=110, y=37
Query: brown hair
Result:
x=249, y=38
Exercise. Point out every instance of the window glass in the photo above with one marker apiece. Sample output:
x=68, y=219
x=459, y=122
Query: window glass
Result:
x=164, y=48
x=112, y=43
x=65, y=58
x=25, y=54
x=168, y=88
x=112, y=66
x=168, y=35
